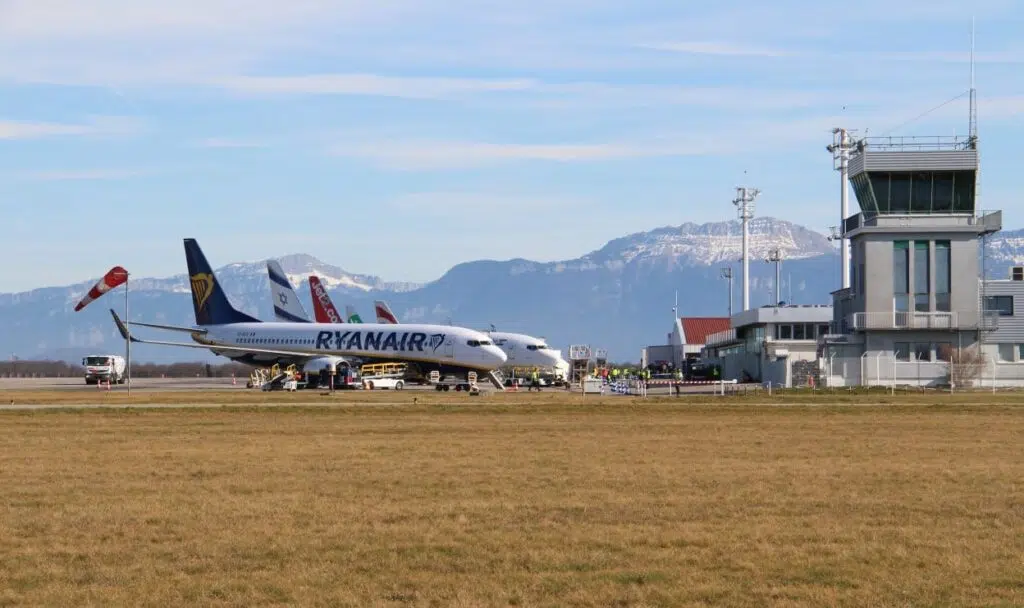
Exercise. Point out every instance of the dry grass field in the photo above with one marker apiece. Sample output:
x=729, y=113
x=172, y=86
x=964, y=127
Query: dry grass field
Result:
x=512, y=500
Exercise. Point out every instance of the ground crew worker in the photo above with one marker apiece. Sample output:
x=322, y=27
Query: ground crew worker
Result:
x=534, y=381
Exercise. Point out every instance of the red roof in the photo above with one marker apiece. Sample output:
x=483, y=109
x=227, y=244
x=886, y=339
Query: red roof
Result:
x=697, y=329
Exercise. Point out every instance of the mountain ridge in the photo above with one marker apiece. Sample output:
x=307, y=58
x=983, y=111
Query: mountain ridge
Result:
x=618, y=296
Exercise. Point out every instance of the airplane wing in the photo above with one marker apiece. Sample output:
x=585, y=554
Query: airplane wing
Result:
x=121, y=327
x=169, y=327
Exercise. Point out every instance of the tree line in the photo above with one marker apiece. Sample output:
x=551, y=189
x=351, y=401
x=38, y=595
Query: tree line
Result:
x=63, y=369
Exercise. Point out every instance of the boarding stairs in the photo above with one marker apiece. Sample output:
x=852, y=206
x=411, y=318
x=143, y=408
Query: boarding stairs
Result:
x=497, y=379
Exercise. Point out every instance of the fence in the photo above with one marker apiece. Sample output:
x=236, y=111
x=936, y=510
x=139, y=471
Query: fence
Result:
x=884, y=369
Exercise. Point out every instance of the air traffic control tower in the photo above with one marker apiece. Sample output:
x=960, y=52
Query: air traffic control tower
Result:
x=914, y=280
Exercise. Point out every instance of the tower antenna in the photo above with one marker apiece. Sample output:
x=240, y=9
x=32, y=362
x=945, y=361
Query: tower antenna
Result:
x=972, y=128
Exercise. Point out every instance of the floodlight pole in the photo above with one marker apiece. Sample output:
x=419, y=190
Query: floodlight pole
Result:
x=840, y=148
x=744, y=202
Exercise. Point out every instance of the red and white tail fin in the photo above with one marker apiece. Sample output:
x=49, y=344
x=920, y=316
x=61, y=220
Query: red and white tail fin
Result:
x=384, y=314
x=323, y=307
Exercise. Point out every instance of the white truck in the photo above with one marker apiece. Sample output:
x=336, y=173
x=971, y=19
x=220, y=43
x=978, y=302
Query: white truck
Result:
x=104, y=368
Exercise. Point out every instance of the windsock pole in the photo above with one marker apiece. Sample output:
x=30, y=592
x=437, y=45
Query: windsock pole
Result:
x=127, y=341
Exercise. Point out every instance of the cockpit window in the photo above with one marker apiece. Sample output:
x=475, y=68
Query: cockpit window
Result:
x=536, y=346
x=473, y=342
x=485, y=342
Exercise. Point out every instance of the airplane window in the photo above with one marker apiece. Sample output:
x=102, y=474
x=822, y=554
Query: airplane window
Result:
x=473, y=342
x=485, y=342
x=531, y=347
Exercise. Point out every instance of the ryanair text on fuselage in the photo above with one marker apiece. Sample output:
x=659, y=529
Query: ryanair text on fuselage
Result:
x=394, y=341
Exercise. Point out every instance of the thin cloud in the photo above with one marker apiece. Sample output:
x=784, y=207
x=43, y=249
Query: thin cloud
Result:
x=440, y=155
x=721, y=49
x=96, y=126
x=228, y=142
x=468, y=204
x=371, y=84
x=86, y=174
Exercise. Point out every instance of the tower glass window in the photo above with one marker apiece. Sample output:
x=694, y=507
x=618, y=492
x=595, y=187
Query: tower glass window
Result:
x=921, y=193
x=921, y=282
x=942, y=276
x=899, y=193
x=942, y=192
x=901, y=275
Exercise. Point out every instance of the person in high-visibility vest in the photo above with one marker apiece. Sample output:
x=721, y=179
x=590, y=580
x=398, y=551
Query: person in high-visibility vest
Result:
x=534, y=380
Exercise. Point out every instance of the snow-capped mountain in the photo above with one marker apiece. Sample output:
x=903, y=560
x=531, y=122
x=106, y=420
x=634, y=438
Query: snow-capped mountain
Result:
x=707, y=244
x=619, y=297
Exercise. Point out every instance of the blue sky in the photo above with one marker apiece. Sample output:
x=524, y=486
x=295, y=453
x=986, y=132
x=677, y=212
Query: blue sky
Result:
x=400, y=137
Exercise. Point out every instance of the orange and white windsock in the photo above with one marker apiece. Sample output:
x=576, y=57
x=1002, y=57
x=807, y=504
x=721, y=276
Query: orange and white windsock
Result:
x=117, y=276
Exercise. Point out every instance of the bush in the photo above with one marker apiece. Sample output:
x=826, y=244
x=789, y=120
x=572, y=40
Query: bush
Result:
x=965, y=365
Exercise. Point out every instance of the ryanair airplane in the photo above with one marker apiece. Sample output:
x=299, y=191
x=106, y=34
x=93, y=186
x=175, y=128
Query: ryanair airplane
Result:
x=228, y=332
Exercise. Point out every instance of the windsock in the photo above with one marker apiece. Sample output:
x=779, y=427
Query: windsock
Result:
x=115, y=277
x=323, y=307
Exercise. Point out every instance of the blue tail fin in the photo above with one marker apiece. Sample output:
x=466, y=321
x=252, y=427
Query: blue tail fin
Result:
x=209, y=300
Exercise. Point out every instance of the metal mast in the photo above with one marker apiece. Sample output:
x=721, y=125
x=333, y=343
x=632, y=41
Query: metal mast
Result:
x=776, y=256
x=744, y=202
x=840, y=148
x=727, y=274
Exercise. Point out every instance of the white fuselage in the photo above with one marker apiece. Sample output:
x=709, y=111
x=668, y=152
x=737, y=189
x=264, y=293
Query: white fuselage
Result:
x=440, y=345
x=522, y=350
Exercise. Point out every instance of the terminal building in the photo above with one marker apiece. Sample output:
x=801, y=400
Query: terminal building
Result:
x=777, y=344
x=917, y=310
x=685, y=342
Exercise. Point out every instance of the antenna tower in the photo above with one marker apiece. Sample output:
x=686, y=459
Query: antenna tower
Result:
x=744, y=202
x=972, y=127
x=777, y=256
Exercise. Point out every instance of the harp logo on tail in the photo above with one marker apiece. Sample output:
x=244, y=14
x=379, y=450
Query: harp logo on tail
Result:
x=202, y=287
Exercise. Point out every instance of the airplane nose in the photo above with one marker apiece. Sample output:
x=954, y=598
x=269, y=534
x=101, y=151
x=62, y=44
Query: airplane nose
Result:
x=498, y=356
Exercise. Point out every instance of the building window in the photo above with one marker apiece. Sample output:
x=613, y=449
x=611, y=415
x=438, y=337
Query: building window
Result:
x=942, y=276
x=880, y=188
x=784, y=332
x=921, y=277
x=923, y=351
x=921, y=193
x=901, y=275
x=944, y=351
x=902, y=351
x=942, y=192
x=1006, y=352
x=899, y=193
x=860, y=277
x=1020, y=352
x=963, y=191
x=823, y=330
x=1001, y=304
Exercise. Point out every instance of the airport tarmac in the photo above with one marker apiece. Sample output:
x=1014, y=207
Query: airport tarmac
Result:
x=138, y=384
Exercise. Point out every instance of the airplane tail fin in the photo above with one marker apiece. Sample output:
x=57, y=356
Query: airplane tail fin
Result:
x=211, y=304
x=353, y=316
x=287, y=306
x=384, y=314
x=323, y=307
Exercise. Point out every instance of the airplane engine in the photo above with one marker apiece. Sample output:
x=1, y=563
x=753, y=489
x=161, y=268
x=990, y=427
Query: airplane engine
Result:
x=313, y=366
